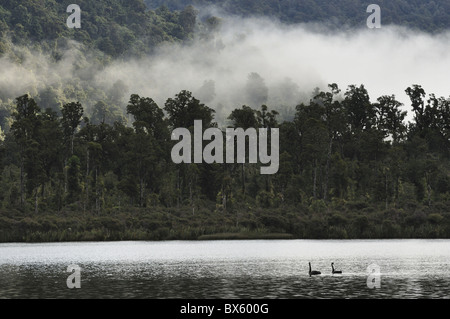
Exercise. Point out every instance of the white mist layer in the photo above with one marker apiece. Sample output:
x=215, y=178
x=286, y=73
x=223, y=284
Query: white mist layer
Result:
x=291, y=60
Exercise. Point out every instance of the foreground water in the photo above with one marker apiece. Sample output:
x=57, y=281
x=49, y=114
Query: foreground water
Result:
x=228, y=269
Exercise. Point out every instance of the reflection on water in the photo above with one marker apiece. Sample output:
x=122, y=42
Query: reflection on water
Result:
x=226, y=269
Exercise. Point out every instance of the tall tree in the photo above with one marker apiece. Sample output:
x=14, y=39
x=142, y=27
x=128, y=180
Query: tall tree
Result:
x=360, y=111
x=313, y=140
x=150, y=143
x=51, y=146
x=266, y=118
x=417, y=94
x=24, y=129
x=184, y=109
x=72, y=114
x=148, y=116
x=391, y=117
x=74, y=179
x=334, y=119
x=244, y=117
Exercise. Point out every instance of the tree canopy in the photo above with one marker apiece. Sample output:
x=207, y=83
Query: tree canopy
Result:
x=425, y=15
x=116, y=27
x=340, y=152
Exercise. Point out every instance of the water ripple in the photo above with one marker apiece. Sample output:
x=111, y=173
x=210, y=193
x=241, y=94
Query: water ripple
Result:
x=244, y=269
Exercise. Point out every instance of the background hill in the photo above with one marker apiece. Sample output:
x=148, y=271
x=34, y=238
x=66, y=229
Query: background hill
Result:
x=427, y=15
x=114, y=27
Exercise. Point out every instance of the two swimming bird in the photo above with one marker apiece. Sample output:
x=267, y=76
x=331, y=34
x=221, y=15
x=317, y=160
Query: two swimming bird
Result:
x=315, y=272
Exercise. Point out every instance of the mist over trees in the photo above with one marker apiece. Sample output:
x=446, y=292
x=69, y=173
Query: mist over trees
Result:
x=86, y=118
x=225, y=61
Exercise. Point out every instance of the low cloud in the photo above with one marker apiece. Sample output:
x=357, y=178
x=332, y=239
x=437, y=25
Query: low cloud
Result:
x=250, y=61
x=291, y=61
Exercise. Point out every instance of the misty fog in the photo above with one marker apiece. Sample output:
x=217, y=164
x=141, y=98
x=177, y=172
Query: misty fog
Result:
x=249, y=61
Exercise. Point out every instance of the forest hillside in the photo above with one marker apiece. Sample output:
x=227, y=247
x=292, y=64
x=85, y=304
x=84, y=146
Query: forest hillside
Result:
x=86, y=155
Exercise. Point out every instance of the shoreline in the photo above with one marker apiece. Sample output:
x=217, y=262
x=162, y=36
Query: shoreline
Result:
x=162, y=223
x=238, y=236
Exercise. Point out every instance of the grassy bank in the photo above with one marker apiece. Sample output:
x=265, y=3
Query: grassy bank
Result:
x=351, y=221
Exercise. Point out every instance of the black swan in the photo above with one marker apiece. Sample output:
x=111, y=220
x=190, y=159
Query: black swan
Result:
x=335, y=271
x=313, y=272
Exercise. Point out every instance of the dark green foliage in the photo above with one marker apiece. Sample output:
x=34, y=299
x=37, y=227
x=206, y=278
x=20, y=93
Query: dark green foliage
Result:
x=345, y=172
x=74, y=179
x=115, y=27
x=72, y=114
x=428, y=15
x=184, y=109
x=244, y=117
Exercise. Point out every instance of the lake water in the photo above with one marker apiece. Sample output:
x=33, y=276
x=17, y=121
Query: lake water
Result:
x=228, y=269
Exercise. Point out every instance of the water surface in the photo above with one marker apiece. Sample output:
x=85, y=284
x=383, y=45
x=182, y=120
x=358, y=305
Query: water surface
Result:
x=227, y=269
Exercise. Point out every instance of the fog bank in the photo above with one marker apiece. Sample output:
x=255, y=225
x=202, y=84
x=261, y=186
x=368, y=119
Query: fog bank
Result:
x=253, y=62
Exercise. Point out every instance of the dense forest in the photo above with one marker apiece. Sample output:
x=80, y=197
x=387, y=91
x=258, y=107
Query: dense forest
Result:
x=114, y=27
x=77, y=163
x=348, y=168
x=425, y=15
